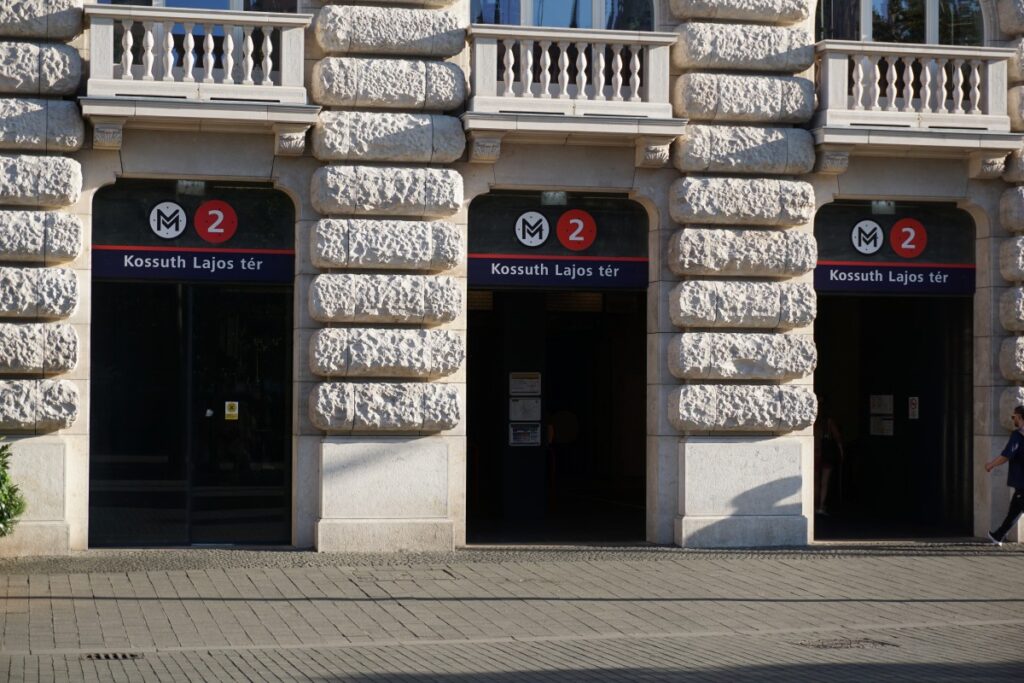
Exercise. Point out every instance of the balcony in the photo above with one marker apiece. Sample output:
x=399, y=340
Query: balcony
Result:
x=570, y=86
x=192, y=69
x=922, y=100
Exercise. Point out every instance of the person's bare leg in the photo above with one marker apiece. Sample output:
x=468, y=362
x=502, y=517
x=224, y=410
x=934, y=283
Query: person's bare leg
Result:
x=824, y=476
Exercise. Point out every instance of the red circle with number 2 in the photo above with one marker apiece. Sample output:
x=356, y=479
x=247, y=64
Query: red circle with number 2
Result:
x=216, y=221
x=908, y=237
x=576, y=229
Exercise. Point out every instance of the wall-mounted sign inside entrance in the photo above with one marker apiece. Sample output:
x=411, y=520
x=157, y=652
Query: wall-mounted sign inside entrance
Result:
x=920, y=249
x=601, y=242
x=145, y=230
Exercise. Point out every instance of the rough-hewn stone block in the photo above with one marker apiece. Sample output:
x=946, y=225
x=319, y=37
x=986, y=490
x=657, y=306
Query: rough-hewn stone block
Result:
x=766, y=11
x=1011, y=208
x=389, y=31
x=741, y=201
x=380, y=136
x=38, y=292
x=35, y=348
x=1011, y=259
x=38, y=69
x=742, y=356
x=710, y=45
x=342, y=298
x=730, y=251
x=380, y=407
x=392, y=244
x=52, y=19
x=1011, y=17
x=1011, y=309
x=1010, y=398
x=729, y=97
x=1011, y=359
x=741, y=408
x=40, y=125
x=765, y=305
x=387, y=191
x=342, y=352
x=42, y=236
x=40, y=405
x=39, y=181
x=388, y=83
x=744, y=149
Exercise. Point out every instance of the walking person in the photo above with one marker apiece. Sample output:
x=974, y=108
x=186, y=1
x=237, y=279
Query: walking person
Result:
x=1013, y=453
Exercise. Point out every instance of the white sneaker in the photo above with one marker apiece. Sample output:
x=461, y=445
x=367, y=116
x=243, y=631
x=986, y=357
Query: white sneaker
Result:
x=993, y=539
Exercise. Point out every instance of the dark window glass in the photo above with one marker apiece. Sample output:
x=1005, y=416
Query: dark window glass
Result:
x=838, y=20
x=288, y=6
x=898, y=21
x=495, y=12
x=960, y=23
x=629, y=15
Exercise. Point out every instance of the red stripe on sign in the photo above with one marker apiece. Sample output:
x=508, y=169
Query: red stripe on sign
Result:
x=546, y=257
x=897, y=264
x=198, y=250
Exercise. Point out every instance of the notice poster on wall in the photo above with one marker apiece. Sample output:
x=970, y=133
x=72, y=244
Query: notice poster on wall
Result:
x=524, y=434
x=163, y=230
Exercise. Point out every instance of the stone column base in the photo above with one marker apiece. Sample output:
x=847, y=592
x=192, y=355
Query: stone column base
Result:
x=741, y=531
x=379, y=536
x=36, y=538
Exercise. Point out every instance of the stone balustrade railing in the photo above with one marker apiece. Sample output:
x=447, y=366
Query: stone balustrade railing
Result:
x=576, y=72
x=195, y=54
x=912, y=86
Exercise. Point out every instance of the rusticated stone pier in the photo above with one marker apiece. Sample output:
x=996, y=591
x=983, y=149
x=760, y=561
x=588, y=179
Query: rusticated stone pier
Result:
x=392, y=349
x=40, y=243
x=745, y=355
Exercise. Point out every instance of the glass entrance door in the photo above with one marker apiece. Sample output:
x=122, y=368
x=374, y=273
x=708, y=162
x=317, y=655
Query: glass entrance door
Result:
x=191, y=418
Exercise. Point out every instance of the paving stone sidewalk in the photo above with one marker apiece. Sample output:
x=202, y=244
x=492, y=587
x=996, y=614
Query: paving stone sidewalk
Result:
x=872, y=612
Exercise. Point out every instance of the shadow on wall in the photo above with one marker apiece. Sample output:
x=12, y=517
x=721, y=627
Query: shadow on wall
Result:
x=779, y=498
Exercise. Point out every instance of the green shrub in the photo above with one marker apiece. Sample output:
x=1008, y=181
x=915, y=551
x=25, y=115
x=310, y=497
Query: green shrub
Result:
x=12, y=503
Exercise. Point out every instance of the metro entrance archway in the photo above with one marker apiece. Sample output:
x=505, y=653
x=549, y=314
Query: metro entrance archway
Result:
x=556, y=369
x=191, y=396
x=894, y=377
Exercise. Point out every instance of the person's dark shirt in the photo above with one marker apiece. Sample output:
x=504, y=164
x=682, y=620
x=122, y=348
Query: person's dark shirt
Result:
x=1014, y=453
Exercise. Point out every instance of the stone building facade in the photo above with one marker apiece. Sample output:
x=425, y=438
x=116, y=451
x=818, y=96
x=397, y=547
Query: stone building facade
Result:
x=383, y=122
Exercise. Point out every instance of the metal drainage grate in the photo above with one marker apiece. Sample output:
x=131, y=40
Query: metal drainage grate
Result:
x=112, y=655
x=845, y=644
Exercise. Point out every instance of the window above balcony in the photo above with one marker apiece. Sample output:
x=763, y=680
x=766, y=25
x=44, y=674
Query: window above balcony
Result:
x=198, y=65
x=611, y=15
x=935, y=22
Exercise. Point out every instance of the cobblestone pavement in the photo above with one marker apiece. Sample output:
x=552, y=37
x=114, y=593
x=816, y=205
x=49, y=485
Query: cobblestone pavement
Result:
x=870, y=612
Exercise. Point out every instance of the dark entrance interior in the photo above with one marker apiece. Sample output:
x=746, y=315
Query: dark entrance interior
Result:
x=584, y=482
x=170, y=463
x=901, y=477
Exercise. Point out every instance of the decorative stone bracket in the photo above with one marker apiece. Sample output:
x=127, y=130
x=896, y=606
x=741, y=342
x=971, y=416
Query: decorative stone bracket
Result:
x=289, y=139
x=651, y=151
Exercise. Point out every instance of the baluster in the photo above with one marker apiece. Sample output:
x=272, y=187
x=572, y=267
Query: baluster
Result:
x=147, y=51
x=908, y=84
x=858, y=82
x=598, y=76
x=189, y=60
x=924, y=101
x=127, y=43
x=526, y=70
x=581, y=70
x=563, y=70
x=890, y=86
x=545, y=69
x=509, y=62
x=247, y=60
x=616, y=73
x=268, y=51
x=167, y=58
x=958, y=86
x=634, y=73
x=975, y=81
x=940, y=89
x=208, y=58
x=228, y=59
x=874, y=94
